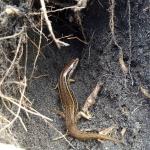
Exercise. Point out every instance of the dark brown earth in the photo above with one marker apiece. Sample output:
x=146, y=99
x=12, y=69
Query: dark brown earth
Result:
x=120, y=102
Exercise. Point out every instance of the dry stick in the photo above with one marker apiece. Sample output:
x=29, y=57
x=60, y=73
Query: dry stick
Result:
x=31, y=111
x=13, y=100
x=15, y=115
x=81, y=4
x=75, y=37
x=112, y=28
x=60, y=137
x=92, y=36
x=63, y=37
x=62, y=9
x=6, y=56
x=13, y=61
x=49, y=25
x=45, y=118
x=34, y=26
x=39, y=46
x=3, y=119
x=80, y=23
x=34, y=44
x=24, y=89
x=56, y=10
x=12, y=36
x=130, y=40
x=21, y=92
x=21, y=84
x=25, y=72
x=20, y=53
x=100, y=3
x=19, y=108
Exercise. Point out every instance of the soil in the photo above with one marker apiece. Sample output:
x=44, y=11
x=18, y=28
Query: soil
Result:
x=120, y=102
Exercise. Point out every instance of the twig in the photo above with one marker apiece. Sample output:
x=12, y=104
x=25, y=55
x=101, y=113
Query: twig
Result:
x=34, y=27
x=89, y=45
x=130, y=40
x=13, y=61
x=12, y=36
x=40, y=76
x=81, y=4
x=49, y=25
x=62, y=9
x=15, y=115
x=75, y=37
x=123, y=66
x=39, y=46
x=31, y=111
x=19, y=108
x=34, y=44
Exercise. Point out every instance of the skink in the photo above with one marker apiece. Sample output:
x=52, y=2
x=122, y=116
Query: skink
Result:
x=70, y=105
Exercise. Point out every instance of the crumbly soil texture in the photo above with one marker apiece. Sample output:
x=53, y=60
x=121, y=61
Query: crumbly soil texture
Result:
x=120, y=102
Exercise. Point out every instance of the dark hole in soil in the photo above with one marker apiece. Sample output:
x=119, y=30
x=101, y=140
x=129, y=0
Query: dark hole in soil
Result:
x=66, y=22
